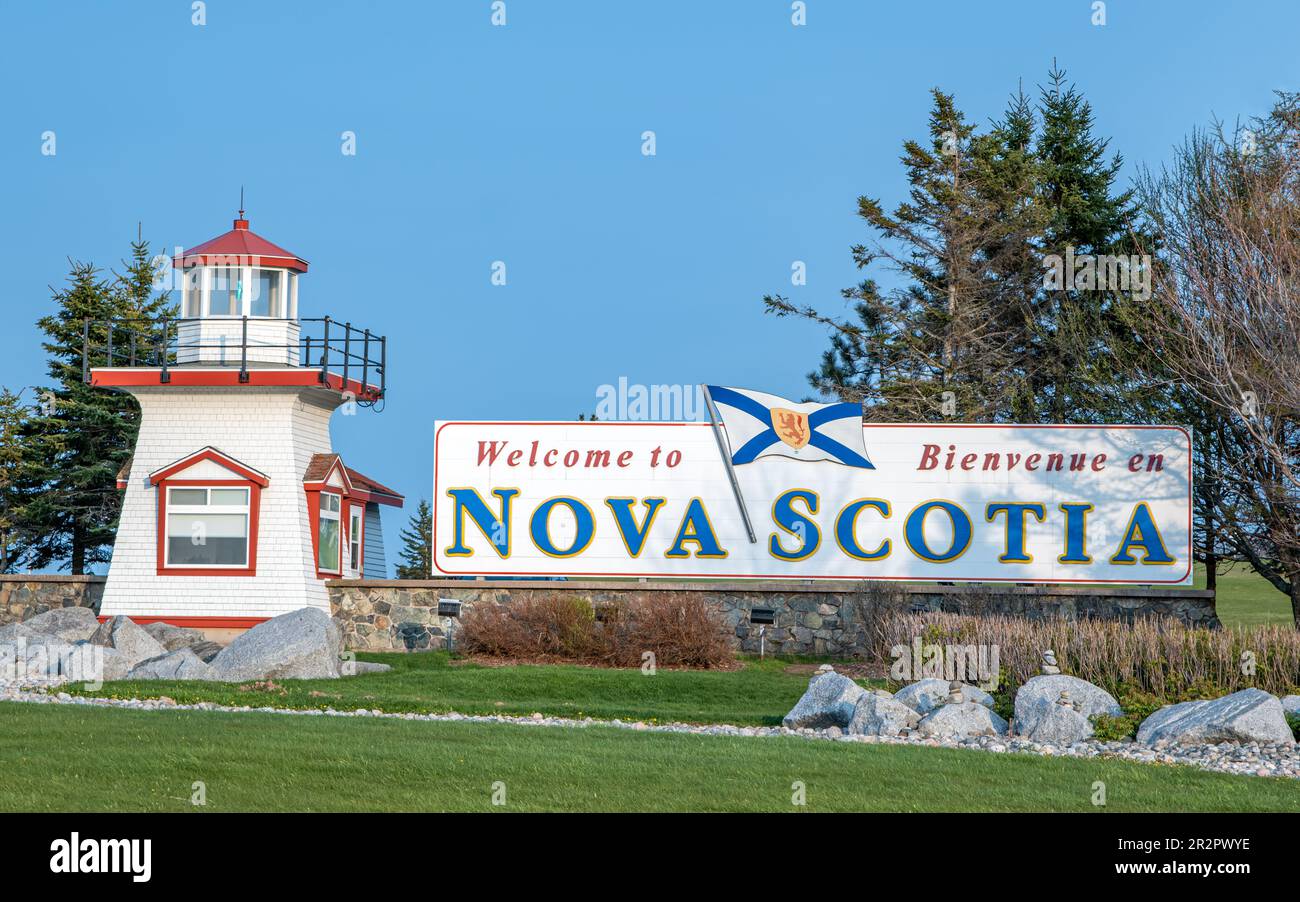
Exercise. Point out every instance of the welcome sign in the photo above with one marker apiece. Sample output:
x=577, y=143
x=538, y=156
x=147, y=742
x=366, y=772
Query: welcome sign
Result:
x=1041, y=504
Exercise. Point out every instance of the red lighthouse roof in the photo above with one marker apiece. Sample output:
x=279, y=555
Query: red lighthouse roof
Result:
x=240, y=245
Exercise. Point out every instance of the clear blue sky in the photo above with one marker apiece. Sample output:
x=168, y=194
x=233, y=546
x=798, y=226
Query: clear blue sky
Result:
x=522, y=143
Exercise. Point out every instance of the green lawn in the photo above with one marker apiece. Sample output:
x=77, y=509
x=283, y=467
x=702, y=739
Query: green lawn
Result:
x=62, y=758
x=759, y=694
x=1243, y=598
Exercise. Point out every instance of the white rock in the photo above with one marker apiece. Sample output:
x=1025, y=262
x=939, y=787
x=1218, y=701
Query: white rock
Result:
x=173, y=637
x=181, y=664
x=1055, y=724
x=829, y=702
x=129, y=640
x=95, y=663
x=301, y=645
x=961, y=721
x=925, y=695
x=1251, y=715
x=1036, y=716
x=881, y=716
x=67, y=624
x=43, y=659
x=1291, y=705
x=360, y=667
x=11, y=633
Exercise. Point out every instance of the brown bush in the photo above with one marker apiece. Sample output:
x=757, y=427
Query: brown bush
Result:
x=681, y=631
x=1161, y=656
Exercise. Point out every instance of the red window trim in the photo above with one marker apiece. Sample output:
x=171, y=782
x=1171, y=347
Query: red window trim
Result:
x=346, y=505
x=254, y=506
x=313, y=516
x=345, y=491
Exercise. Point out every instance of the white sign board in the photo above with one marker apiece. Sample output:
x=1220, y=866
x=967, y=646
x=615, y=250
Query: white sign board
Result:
x=1043, y=504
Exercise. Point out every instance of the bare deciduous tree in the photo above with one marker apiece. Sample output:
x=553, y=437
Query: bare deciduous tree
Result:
x=1226, y=321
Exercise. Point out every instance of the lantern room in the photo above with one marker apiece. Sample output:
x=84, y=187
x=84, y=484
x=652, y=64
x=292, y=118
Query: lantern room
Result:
x=239, y=290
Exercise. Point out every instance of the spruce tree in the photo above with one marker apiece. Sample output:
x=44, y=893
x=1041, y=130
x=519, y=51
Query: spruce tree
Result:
x=942, y=345
x=14, y=416
x=141, y=303
x=417, y=545
x=75, y=448
x=1078, y=334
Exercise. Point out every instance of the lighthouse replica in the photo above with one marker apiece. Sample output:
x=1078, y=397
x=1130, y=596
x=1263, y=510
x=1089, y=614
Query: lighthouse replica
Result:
x=236, y=509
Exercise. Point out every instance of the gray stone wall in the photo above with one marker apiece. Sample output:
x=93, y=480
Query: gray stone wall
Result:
x=820, y=619
x=24, y=595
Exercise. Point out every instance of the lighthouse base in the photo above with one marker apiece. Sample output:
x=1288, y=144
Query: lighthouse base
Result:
x=257, y=437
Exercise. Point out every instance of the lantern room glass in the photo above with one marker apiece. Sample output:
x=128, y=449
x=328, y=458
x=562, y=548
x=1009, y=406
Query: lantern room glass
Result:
x=235, y=291
x=266, y=299
x=225, y=291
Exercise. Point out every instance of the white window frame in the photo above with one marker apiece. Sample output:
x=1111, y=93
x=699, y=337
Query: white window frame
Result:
x=207, y=508
x=337, y=516
x=281, y=288
x=192, y=294
x=356, y=530
x=210, y=282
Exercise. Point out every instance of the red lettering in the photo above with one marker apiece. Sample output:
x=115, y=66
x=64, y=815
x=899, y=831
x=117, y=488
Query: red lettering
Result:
x=929, y=457
x=490, y=453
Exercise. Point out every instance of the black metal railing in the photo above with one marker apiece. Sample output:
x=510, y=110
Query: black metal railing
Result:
x=324, y=344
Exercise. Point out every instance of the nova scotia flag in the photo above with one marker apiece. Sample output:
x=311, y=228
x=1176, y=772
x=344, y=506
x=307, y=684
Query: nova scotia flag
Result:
x=762, y=425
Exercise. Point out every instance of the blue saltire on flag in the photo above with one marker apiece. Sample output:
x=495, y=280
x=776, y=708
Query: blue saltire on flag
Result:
x=763, y=425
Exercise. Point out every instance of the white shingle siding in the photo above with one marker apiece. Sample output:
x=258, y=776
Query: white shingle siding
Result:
x=275, y=430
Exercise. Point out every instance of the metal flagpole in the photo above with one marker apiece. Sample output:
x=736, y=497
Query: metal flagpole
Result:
x=726, y=461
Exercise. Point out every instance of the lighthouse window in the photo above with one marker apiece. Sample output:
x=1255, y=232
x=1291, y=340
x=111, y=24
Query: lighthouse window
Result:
x=207, y=527
x=266, y=299
x=225, y=298
x=354, y=541
x=328, y=550
x=194, y=292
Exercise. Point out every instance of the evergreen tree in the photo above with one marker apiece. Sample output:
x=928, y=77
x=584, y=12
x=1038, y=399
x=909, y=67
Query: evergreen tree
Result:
x=14, y=416
x=142, y=304
x=944, y=344
x=75, y=449
x=417, y=545
x=976, y=333
x=1078, y=338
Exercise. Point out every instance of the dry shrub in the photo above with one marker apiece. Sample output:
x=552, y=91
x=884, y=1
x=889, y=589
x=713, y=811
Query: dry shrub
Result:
x=681, y=631
x=553, y=626
x=1161, y=656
